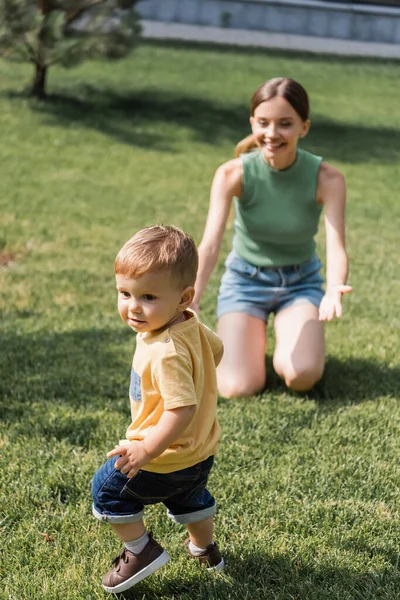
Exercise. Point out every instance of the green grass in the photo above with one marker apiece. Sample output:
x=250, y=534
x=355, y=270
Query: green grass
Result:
x=307, y=486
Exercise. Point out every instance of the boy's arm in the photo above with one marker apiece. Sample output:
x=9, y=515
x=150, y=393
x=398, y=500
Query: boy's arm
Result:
x=135, y=455
x=168, y=429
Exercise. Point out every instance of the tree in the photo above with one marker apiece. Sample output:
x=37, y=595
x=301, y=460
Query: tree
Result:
x=66, y=32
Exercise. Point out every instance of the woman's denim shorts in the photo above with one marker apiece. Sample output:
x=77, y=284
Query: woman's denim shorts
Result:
x=117, y=499
x=258, y=291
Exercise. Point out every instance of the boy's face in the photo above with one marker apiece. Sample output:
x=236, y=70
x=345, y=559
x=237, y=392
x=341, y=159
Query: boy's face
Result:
x=149, y=302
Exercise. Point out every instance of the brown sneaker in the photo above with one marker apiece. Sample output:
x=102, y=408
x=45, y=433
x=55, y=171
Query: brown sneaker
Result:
x=211, y=558
x=131, y=568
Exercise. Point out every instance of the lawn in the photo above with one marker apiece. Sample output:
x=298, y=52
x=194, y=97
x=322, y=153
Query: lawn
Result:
x=307, y=486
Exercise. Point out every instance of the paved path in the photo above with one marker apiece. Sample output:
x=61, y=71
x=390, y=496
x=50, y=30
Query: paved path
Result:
x=242, y=37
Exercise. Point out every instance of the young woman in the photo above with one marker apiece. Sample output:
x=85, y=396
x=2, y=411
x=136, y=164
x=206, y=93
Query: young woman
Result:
x=279, y=191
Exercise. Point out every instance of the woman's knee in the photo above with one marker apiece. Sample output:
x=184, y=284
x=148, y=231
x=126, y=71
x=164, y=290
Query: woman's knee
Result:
x=303, y=382
x=304, y=379
x=299, y=378
x=231, y=385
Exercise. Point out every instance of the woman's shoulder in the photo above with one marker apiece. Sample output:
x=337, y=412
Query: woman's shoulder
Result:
x=230, y=171
x=331, y=183
x=329, y=175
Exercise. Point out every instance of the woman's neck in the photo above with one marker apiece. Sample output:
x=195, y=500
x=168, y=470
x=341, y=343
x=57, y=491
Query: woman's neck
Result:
x=281, y=163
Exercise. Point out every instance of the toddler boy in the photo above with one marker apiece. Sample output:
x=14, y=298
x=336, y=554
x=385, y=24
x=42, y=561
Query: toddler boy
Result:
x=174, y=434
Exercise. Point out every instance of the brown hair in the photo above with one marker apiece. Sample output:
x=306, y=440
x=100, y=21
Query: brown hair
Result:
x=282, y=87
x=159, y=248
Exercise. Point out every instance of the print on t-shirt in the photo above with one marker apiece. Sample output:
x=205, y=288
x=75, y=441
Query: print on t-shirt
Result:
x=135, y=388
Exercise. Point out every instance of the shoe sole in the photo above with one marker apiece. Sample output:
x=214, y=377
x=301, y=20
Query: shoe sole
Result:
x=149, y=570
x=219, y=567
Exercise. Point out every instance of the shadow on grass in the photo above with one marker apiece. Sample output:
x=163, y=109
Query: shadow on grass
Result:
x=348, y=381
x=390, y=555
x=58, y=384
x=257, y=576
x=136, y=118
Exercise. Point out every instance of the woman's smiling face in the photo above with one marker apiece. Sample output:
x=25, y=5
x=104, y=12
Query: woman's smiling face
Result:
x=278, y=127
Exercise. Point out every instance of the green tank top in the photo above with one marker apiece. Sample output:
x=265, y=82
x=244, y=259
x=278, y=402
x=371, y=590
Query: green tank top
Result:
x=277, y=216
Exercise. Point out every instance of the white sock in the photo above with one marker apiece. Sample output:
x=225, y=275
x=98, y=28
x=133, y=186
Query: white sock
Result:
x=195, y=550
x=137, y=546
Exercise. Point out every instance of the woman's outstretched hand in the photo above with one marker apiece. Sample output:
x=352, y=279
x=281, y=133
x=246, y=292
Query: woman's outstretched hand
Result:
x=331, y=303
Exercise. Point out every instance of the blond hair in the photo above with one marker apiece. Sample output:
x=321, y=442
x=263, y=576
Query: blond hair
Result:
x=159, y=248
x=246, y=145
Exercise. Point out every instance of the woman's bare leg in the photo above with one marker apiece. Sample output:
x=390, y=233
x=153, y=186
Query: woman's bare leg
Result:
x=299, y=356
x=241, y=371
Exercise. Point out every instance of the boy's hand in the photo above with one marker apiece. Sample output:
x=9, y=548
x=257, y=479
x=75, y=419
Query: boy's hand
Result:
x=132, y=457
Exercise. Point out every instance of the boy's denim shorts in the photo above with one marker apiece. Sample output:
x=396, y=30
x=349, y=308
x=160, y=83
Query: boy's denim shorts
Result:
x=258, y=291
x=117, y=499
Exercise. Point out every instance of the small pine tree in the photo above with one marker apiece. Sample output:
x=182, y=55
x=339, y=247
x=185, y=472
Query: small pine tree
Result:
x=66, y=32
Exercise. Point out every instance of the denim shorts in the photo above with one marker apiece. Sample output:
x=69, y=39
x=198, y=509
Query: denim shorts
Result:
x=258, y=291
x=117, y=499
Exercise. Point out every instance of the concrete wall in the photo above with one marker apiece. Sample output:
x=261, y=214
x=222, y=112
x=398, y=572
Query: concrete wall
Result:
x=301, y=17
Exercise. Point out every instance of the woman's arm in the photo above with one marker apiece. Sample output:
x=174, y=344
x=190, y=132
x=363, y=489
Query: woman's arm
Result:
x=226, y=184
x=332, y=193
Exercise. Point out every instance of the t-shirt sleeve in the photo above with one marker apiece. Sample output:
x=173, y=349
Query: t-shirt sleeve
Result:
x=214, y=341
x=173, y=377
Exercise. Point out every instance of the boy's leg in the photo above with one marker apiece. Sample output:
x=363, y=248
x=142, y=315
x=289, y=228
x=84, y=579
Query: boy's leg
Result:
x=129, y=531
x=141, y=555
x=140, y=558
x=201, y=533
x=134, y=535
x=195, y=508
x=200, y=544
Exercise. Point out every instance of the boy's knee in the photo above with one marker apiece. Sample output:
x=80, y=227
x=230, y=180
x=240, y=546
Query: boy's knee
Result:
x=101, y=476
x=97, y=482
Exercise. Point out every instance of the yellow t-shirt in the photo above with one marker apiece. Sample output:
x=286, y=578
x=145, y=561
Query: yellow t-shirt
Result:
x=172, y=369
